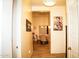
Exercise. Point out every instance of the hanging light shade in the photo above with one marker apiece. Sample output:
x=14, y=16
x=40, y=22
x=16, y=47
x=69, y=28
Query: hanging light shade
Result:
x=49, y=2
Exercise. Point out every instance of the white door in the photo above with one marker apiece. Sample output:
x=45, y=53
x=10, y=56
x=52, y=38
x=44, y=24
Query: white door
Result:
x=0, y=24
x=6, y=28
x=72, y=23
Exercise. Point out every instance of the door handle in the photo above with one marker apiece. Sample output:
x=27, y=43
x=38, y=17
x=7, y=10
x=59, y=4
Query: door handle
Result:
x=69, y=48
x=17, y=47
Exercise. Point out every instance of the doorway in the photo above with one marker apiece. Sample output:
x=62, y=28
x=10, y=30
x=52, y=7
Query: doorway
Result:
x=41, y=33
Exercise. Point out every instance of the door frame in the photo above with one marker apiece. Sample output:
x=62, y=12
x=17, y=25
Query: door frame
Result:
x=69, y=45
x=0, y=27
x=16, y=42
x=49, y=26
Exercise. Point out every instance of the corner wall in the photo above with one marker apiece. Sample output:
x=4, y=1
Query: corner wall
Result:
x=22, y=40
x=26, y=37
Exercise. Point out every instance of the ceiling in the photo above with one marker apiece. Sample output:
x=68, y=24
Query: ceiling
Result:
x=39, y=2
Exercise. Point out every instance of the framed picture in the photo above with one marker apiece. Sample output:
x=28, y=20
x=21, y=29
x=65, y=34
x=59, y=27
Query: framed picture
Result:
x=58, y=24
x=28, y=25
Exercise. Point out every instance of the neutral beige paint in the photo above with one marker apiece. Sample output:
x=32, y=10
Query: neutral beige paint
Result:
x=40, y=2
x=78, y=27
x=39, y=19
x=26, y=37
x=57, y=37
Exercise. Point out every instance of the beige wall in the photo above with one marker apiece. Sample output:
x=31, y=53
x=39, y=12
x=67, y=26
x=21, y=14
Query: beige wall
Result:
x=26, y=37
x=40, y=18
x=57, y=37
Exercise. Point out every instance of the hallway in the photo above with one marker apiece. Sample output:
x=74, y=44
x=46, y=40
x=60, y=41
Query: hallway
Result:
x=23, y=22
x=42, y=51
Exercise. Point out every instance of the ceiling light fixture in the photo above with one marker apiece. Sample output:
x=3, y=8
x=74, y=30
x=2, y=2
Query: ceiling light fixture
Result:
x=49, y=2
